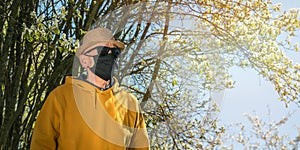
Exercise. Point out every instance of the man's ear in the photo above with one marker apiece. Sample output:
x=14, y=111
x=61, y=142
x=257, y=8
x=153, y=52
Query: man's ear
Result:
x=86, y=62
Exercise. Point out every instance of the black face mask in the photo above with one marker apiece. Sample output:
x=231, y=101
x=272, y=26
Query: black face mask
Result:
x=104, y=62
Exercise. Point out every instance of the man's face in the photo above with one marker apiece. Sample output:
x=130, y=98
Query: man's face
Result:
x=101, y=59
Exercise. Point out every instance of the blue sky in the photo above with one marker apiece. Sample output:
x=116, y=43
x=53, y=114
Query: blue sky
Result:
x=254, y=94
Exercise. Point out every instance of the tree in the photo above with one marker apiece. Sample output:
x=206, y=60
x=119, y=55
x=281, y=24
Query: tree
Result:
x=177, y=52
x=220, y=34
x=264, y=133
x=37, y=44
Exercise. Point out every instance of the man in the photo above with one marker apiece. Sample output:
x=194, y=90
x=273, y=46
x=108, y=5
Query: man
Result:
x=92, y=112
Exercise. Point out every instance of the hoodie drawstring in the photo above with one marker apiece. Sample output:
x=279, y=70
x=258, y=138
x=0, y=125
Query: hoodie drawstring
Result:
x=95, y=103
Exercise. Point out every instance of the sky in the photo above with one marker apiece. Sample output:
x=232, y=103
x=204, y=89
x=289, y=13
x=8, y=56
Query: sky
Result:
x=252, y=94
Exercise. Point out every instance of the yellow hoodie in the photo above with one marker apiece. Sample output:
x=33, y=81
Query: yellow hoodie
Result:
x=77, y=115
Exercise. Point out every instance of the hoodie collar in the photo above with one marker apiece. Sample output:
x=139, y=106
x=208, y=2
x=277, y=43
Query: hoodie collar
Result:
x=87, y=86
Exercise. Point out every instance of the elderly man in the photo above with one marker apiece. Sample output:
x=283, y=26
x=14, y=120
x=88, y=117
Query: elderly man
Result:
x=92, y=112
